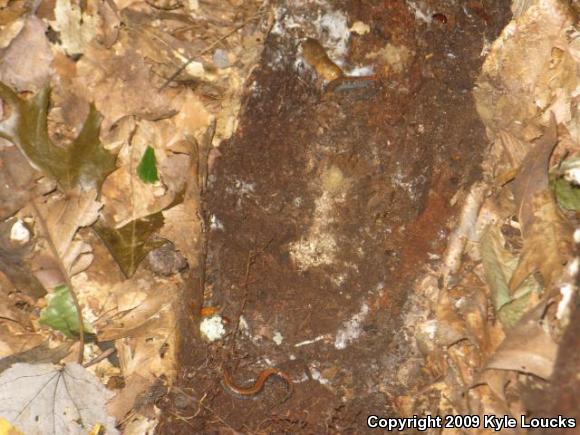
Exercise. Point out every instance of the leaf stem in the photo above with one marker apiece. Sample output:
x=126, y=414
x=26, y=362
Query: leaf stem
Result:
x=66, y=277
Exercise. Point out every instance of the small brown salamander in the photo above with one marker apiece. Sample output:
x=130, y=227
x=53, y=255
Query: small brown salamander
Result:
x=315, y=54
x=258, y=386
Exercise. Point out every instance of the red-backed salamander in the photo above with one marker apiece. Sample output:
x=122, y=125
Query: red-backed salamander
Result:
x=258, y=386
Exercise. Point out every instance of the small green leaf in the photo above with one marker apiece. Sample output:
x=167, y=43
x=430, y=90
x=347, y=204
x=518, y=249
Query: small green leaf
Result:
x=85, y=162
x=567, y=193
x=61, y=313
x=147, y=169
x=132, y=242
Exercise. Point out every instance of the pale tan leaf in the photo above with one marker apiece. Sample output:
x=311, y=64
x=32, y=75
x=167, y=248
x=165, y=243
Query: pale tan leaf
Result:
x=30, y=71
x=528, y=348
x=64, y=215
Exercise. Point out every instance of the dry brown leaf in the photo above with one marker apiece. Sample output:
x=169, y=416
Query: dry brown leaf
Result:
x=546, y=233
x=496, y=380
x=451, y=327
x=547, y=243
x=137, y=320
x=64, y=215
x=124, y=401
x=30, y=71
x=37, y=355
x=12, y=10
x=15, y=324
x=507, y=95
x=68, y=108
x=532, y=177
x=17, y=179
x=183, y=228
x=528, y=348
x=121, y=85
x=127, y=198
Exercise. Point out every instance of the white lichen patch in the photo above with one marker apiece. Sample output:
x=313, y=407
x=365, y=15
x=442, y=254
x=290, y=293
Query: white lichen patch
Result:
x=278, y=338
x=351, y=329
x=212, y=328
x=334, y=25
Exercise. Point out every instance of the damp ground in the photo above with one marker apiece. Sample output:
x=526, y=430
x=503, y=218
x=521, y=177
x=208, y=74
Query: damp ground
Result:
x=322, y=210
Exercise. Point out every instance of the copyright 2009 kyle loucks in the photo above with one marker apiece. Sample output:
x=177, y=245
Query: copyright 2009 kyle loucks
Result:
x=492, y=422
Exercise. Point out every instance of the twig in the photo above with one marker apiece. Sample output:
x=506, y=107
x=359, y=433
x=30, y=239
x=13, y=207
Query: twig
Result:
x=252, y=255
x=66, y=277
x=106, y=354
x=208, y=48
x=249, y=263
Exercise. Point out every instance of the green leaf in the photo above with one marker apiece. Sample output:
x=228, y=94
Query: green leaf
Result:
x=61, y=313
x=84, y=163
x=499, y=265
x=147, y=169
x=567, y=194
x=131, y=243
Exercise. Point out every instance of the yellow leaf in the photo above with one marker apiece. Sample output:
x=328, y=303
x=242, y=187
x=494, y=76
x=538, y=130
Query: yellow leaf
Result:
x=7, y=429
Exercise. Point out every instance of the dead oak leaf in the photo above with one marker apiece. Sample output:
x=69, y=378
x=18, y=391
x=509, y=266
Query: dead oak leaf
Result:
x=132, y=242
x=84, y=163
x=121, y=85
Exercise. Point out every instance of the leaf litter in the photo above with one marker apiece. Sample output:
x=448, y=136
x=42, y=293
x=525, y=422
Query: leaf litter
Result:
x=81, y=113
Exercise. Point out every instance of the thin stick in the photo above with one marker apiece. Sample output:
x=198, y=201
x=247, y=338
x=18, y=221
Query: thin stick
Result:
x=106, y=354
x=66, y=277
x=207, y=49
x=252, y=255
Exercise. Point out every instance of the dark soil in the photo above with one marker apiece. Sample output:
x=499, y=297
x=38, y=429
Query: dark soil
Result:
x=324, y=207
